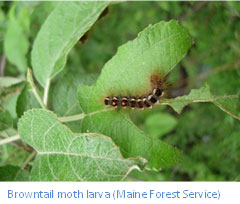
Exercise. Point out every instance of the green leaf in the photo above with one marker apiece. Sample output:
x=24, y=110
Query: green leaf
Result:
x=39, y=15
x=157, y=49
x=159, y=124
x=64, y=98
x=59, y=33
x=13, y=153
x=64, y=156
x=26, y=100
x=131, y=140
x=10, y=104
x=235, y=7
x=227, y=103
x=16, y=48
x=5, y=119
x=2, y=23
x=9, y=81
x=24, y=18
x=13, y=173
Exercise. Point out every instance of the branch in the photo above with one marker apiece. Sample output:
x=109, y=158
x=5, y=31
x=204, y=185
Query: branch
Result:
x=9, y=139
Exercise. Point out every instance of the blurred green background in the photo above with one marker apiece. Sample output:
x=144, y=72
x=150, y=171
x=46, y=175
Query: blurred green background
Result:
x=209, y=138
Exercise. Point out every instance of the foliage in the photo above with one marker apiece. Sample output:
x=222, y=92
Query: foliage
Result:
x=53, y=123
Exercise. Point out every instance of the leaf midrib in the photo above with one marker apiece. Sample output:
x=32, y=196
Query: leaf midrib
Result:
x=81, y=155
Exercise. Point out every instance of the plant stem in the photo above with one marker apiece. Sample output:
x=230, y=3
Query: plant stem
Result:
x=34, y=90
x=9, y=139
x=46, y=89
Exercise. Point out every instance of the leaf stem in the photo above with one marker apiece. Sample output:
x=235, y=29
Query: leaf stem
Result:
x=46, y=90
x=9, y=139
x=72, y=118
x=82, y=115
x=34, y=90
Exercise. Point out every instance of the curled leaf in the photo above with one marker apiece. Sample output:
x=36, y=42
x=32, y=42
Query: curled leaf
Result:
x=228, y=103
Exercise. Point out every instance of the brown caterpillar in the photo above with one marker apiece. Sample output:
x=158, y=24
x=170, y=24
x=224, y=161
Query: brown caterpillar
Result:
x=145, y=101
